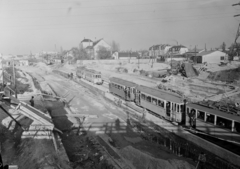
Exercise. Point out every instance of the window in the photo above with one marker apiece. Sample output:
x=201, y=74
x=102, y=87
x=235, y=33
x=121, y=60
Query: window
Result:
x=160, y=103
x=222, y=57
x=201, y=115
x=177, y=107
x=149, y=99
x=210, y=118
x=143, y=96
x=224, y=123
x=154, y=101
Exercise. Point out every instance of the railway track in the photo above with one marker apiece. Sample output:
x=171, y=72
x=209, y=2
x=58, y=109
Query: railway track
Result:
x=221, y=143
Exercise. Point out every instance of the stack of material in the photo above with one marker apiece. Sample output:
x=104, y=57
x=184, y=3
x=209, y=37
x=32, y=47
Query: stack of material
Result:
x=188, y=70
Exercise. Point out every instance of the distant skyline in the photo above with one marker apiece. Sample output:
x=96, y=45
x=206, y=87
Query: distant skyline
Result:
x=38, y=25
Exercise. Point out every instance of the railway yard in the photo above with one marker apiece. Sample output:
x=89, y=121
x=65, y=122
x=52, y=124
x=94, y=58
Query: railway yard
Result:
x=97, y=128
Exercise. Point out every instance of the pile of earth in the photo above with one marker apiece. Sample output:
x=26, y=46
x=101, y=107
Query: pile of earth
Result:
x=225, y=75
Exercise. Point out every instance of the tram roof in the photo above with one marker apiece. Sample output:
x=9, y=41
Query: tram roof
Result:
x=214, y=112
x=164, y=95
x=92, y=71
x=122, y=82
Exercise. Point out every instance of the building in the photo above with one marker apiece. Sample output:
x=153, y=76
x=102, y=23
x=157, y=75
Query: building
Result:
x=92, y=48
x=177, y=50
x=125, y=55
x=159, y=51
x=23, y=62
x=211, y=57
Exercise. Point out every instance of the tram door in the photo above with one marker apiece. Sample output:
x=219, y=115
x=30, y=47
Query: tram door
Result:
x=137, y=97
x=168, y=110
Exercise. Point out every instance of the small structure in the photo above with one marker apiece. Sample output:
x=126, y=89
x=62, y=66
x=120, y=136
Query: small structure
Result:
x=211, y=57
x=125, y=55
x=23, y=62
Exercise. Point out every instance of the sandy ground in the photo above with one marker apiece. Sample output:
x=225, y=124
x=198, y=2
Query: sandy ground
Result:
x=196, y=88
x=105, y=116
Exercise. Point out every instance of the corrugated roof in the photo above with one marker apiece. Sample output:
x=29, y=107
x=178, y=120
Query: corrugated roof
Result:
x=162, y=94
x=214, y=112
x=122, y=82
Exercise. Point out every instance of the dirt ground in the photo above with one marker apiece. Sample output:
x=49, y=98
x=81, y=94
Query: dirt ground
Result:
x=82, y=101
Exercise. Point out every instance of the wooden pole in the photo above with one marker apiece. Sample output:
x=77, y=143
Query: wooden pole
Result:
x=14, y=80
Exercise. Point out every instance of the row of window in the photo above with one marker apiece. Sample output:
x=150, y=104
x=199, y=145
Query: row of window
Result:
x=152, y=100
x=222, y=122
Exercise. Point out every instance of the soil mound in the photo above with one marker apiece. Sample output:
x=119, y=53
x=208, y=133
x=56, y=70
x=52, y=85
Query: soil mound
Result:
x=142, y=161
x=225, y=75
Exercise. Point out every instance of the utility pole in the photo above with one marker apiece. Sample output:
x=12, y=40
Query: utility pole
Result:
x=14, y=80
x=237, y=35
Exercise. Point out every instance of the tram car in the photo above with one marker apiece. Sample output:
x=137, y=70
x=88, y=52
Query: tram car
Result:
x=90, y=75
x=160, y=102
x=213, y=122
x=122, y=88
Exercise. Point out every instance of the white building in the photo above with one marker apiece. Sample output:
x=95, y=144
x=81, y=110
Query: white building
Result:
x=93, y=47
x=211, y=57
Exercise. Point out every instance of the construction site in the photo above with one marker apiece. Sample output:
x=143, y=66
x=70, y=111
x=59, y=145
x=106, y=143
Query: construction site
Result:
x=77, y=127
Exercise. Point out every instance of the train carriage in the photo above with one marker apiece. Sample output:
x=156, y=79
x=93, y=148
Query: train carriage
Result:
x=122, y=88
x=90, y=75
x=163, y=103
x=214, y=122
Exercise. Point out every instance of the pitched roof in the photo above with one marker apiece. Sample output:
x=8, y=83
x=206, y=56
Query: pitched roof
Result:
x=89, y=47
x=86, y=40
x=205, y=53
x=178, y=46
x=193, y=50
x=96, y=42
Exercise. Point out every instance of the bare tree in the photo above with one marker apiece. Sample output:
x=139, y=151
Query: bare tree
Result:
x=103, y=53
x=115, y=46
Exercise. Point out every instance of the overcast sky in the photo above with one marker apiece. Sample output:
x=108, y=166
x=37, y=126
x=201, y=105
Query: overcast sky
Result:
x=39, y=25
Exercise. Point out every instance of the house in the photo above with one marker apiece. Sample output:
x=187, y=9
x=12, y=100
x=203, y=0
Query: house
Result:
x=23, y=62
x=159, y=50
x=92, y=48
x=125, y=55
x=211, y=57
x=192, y=53
x=177, y=50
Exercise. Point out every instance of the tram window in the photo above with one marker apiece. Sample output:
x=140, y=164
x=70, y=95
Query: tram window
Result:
x=224, y=123
x=154, y=101
x=182, y=108
x=149, y=99
x=237, y=127
x=210, y=118
x=134, y=90
x=160, y=103
x=201, y=115
x=143, y=96
x=177, y=107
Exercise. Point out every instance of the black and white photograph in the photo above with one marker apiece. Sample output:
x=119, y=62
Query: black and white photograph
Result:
x=119, y=84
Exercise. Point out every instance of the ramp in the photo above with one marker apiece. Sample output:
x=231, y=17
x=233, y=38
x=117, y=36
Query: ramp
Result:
x=188, y=70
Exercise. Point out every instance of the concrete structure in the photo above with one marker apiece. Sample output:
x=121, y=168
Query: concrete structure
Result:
x=93, y=47
x=211, y=57
x=125, y=55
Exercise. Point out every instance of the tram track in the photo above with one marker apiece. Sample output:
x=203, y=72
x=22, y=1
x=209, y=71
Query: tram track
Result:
x=210, y=140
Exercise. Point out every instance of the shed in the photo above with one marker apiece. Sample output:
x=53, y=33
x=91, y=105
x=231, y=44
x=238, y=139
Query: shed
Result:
x=211, y=57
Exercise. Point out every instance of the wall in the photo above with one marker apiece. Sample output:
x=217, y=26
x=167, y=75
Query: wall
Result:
x=213, y=57
x=84, y=62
